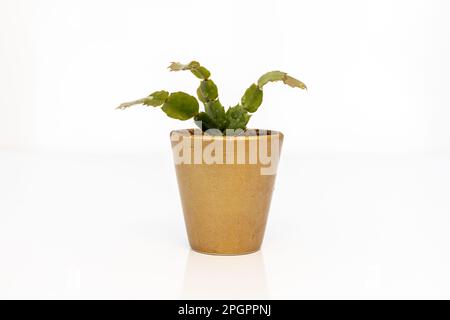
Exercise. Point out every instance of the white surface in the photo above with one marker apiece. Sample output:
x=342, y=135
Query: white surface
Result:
x=110, y=226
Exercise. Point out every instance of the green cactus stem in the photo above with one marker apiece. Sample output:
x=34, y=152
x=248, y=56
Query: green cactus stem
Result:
x=182, y=106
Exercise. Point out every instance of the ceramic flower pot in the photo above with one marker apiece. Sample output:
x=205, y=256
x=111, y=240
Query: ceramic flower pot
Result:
x=226, y=185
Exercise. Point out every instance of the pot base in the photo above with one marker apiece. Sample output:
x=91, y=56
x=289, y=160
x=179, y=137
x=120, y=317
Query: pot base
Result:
x=225, y=254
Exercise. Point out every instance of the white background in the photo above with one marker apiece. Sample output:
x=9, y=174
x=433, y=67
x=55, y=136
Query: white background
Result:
x=88, y=199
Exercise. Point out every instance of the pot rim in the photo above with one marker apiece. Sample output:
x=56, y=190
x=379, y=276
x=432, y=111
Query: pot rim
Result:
x=198, y=134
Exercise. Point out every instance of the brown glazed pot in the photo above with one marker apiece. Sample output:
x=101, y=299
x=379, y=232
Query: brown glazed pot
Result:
x=225, y=203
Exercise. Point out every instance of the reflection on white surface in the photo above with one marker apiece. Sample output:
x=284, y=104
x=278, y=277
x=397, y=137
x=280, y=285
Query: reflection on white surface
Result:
x=221, y=277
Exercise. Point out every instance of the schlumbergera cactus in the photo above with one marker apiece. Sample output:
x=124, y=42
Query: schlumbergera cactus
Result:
x=182, y=106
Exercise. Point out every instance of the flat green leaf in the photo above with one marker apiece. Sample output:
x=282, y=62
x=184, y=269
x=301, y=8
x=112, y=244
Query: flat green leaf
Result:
x=216, y=112
x=195, y=67
x=237, y=117
x=280, y=76
x=252, y=98
x=271, y=76
x=204, y=121
x=294, y=83
x=207, y=91
x=180, y=105
x=156, y=99
x=201, y=73
x=176, y=66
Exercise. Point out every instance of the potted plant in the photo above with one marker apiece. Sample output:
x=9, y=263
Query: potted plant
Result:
x=225, y=171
